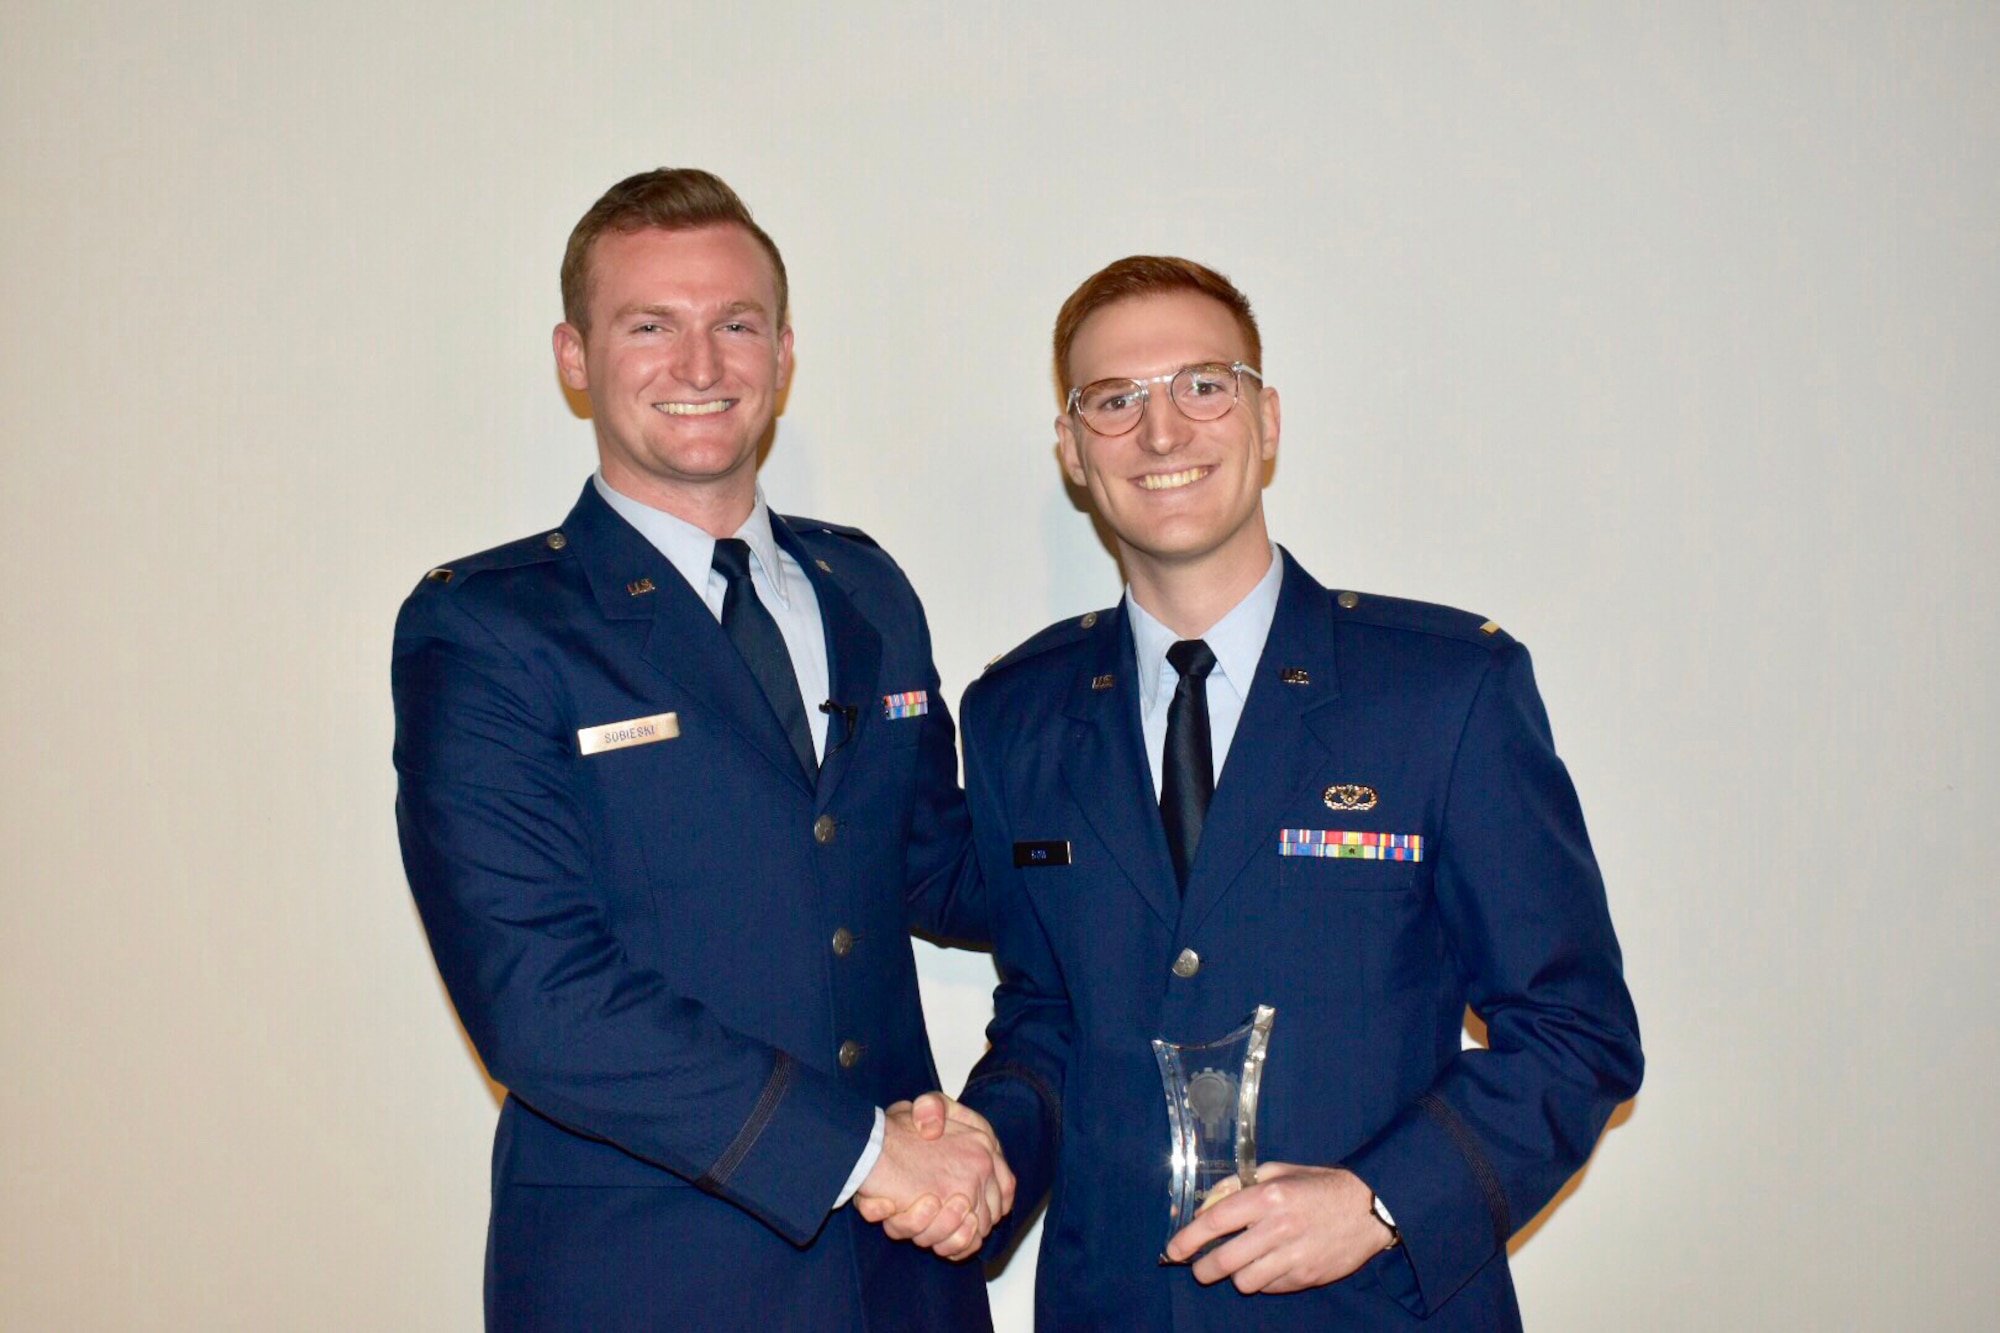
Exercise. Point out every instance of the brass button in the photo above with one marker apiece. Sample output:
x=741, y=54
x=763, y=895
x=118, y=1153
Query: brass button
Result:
x=1187, y=964
x=843, y=942
x=823, y=828
x=557, y=541
x=1089, y=619
x=1349, y=600
x=850, y=1054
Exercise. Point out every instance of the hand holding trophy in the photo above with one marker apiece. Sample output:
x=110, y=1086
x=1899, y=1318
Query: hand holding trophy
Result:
x=1212, y=1091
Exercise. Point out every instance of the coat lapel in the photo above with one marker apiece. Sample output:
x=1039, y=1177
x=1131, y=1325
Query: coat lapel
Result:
x=684, y=642
x=1284, y=738
x=854, y=662
x=1107, y=762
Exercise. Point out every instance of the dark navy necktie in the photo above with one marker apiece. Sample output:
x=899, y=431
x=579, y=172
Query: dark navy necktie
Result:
x=762, y=647
x=1189, y=779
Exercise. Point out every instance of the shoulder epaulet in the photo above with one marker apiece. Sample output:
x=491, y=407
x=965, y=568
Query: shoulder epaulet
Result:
x=1445, y=622
x=808, y=526
x=533, y=550
x=1055, y=636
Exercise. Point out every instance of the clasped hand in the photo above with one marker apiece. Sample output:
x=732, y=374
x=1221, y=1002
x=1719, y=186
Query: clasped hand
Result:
x=941, y=1181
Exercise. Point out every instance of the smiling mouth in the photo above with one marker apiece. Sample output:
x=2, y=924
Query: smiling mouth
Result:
x=707, y=409
x=1173, y=481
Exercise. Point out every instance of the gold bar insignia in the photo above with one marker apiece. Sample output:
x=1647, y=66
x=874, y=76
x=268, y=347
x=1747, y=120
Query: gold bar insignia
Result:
x=637, y=731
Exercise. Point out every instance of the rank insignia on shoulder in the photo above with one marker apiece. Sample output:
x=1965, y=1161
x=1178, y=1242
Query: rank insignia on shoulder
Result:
x=911, y=703
x=1104, y=682
x=639, y=587
x=1490, y=627
x=1295, y=675
x=438, y=576
x=1350, y=796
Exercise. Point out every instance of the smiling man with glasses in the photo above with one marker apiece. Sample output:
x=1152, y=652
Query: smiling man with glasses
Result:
x=1238, y=788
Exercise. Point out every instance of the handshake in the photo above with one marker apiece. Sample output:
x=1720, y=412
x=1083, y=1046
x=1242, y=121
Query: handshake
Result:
x=941, y=1181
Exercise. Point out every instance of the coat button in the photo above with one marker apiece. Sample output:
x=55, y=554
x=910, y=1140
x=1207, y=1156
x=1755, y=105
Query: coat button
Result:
x=1349, y=600
x=850, y=1054
x=1187, y=964
x=823, y=828
x=557, y=541
x=843, y=942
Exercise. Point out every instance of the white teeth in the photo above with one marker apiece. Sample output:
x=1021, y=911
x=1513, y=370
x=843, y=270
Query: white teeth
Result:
x=1174, y=480
x=708, y=409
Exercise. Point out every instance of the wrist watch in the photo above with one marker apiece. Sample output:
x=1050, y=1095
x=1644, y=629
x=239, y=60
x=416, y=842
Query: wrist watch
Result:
x=1381, y=1212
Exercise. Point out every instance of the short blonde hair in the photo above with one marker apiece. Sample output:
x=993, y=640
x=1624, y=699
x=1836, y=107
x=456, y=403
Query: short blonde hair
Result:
x=671, y=199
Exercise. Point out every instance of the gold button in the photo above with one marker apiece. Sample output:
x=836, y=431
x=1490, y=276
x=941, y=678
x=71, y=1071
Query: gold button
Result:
x=843, y=942
x=823, y=829
x=850, y=1054
x=557, y=541
x=1187, y=964
x=1089, y=619
x=1349, y=600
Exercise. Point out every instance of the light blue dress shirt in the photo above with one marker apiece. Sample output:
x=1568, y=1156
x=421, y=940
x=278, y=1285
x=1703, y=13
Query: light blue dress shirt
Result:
x=788, y=595
x=1237, y=640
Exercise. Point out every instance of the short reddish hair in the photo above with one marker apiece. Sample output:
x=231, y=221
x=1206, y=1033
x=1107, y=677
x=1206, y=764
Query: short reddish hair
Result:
x=1149, y=275
x=670, y=199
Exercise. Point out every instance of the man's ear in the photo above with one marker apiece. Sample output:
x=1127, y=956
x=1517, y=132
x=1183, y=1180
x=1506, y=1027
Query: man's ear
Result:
x=1070, y=449
x=1267, y=405
x=570, y=364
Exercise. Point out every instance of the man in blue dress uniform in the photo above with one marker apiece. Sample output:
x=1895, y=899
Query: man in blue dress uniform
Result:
x=675, y=781
x=1239, y=788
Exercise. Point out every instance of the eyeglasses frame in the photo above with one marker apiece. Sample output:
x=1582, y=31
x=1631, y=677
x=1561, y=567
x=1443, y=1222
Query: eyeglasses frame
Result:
x=1238, y=370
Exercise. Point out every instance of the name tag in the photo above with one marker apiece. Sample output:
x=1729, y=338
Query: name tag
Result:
x=637, y=731
x=1031, y=854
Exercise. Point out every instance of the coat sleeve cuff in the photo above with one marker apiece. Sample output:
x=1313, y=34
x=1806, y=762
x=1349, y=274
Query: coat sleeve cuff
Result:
x=794, y=1151
x=1449, y=1206
x=1027, y=1119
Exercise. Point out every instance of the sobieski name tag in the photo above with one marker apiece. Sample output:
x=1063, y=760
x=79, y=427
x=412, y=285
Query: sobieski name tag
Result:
x=1029, y=854
x=637, y=731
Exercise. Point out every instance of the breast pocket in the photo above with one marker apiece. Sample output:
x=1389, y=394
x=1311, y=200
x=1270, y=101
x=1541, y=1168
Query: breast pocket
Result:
x=1349, y=861
x=1332, y=875
x=903, y=713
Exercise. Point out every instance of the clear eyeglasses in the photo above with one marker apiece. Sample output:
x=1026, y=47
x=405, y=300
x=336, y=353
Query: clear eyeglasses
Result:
x=1203, y=392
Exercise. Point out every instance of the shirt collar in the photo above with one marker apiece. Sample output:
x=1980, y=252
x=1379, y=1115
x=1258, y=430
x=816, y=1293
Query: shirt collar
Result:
x=1237, y=640
x=691, y=550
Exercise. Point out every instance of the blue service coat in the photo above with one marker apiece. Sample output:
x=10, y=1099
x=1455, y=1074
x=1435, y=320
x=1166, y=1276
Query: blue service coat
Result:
x=1370, y=963
x=663, y=949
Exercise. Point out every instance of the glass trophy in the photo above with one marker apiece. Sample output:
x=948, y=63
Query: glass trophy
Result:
x=1212, y=1112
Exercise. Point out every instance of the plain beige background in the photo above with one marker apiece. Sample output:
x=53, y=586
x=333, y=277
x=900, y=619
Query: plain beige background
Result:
x=1666, y=335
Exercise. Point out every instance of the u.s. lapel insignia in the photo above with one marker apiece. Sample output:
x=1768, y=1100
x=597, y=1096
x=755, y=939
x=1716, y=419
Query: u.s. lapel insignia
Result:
x=1103, y=682
x=638, y=587
x=824, y=567
x=1295, y=675
x=1350, y=796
